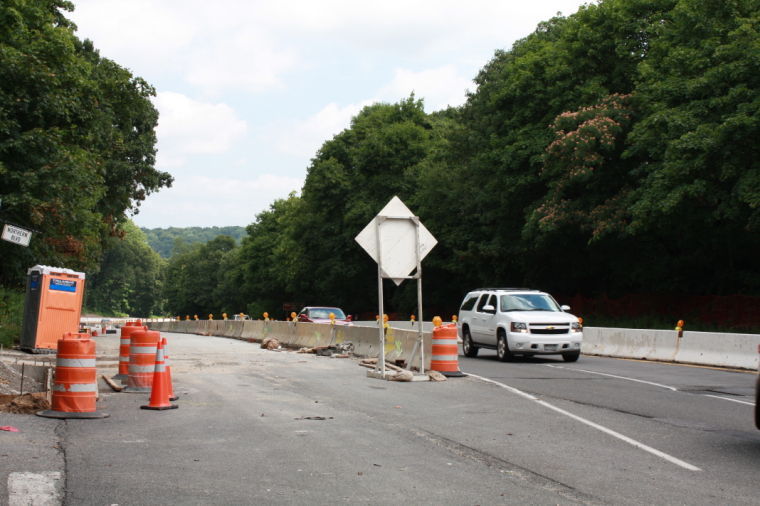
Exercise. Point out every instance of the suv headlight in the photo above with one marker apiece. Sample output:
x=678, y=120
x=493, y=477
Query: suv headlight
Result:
x=576, y=326
x=519, y=327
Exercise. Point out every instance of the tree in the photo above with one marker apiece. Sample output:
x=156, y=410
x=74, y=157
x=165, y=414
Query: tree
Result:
x=193, y=278
x=130, y=279
x=77, y=137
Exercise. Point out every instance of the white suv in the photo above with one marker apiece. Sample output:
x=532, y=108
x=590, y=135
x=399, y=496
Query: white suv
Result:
x=518, y=321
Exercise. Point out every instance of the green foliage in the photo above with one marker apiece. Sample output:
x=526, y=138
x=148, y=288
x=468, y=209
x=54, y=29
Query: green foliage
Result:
x=167, y=241
x=77, y=137
x=194, y=279
x=11, y=315
x=609, y=152
x=130, y=279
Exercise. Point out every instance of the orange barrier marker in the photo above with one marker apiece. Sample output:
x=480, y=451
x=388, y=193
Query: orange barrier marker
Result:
x=142, y=360
x=172, y=397
x=159, y=394
x=126, y=333
x=445, y=356
x=76, y=385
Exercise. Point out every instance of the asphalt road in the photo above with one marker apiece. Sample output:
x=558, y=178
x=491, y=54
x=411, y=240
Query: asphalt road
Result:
x=263, y=427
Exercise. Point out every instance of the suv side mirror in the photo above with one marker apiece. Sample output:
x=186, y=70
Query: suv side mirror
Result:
x=489, y=309
x=565, y=308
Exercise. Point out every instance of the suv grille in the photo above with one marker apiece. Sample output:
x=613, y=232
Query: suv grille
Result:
x=549, y=328
x=550, y=331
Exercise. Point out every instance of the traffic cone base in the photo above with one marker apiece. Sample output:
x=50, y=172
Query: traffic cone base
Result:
x=49, y=413
x=160, y=408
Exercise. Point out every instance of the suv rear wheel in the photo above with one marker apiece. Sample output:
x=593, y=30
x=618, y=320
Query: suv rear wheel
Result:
x=470, y=350
x=571, y=356
x=502, y=347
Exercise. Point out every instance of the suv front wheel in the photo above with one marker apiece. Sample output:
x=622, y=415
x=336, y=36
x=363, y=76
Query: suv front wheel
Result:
x=470, y=350
x=571, y=356
x=502, y=347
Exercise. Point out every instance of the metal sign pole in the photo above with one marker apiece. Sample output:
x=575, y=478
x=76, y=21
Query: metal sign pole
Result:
x=381, y=321
x=419, y=294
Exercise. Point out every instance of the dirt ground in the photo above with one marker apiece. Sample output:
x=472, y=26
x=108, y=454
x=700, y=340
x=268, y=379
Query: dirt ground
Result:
x=12, y=364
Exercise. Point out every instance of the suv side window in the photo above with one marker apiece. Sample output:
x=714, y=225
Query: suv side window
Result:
x=469, y=303
x=482, y=302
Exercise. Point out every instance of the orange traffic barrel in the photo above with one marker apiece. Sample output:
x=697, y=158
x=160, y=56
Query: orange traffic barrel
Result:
x=445, y=353
x=126, y=333
x=75, y=387
x=142, y=360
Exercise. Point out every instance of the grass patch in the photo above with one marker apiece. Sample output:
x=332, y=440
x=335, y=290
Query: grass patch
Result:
x=11, y=316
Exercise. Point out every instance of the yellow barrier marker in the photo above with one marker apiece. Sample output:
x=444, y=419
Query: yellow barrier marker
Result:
x=679, y=328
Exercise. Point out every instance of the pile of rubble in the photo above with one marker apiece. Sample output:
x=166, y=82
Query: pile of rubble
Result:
x=399, y=373
x=346, y=349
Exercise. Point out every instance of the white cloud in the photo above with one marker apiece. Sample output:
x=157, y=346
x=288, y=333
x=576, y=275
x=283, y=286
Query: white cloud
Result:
x=189, y=127
x=439, y=87
x=302, y=138
x=203, y=201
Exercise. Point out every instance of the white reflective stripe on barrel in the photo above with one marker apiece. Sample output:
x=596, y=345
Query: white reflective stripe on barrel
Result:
x=124, y=359
x=76, y=387
x=75, y=362
x=142, y=349
x=140, y=368
x=444, y=357
x=444, y=341
x=125, y=341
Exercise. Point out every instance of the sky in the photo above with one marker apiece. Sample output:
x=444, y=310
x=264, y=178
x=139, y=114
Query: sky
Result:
x=248, y=90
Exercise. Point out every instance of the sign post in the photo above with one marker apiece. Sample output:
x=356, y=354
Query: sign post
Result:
x=397, y=241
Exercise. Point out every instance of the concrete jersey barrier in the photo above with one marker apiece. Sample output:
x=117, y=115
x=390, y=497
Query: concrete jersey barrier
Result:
x=399, y=343
x=702, y=348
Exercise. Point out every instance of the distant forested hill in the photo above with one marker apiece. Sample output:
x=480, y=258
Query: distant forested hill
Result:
x=165, y=240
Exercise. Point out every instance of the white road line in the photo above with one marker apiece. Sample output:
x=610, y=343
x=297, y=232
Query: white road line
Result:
x=729, y=399
x=40, y=489
x=674, y=389
x=633, y=442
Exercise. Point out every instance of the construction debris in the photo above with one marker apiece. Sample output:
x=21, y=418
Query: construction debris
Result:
x=341, y=350
x=270, y=343
x=402, y=375
x=24, y=404
x=112, y=383
x=436, y=376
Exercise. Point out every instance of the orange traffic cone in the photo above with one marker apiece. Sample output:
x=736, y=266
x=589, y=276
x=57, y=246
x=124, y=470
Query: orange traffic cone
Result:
x=159, y=393
x=169, y=382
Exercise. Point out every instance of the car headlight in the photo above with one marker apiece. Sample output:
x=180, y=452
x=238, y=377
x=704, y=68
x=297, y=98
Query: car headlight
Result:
x=519, y=327
x=576, y=326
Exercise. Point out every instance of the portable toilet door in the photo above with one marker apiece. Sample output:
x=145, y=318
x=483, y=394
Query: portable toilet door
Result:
x=53, y=306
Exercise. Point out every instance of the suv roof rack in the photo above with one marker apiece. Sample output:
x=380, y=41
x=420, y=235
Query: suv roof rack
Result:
x=507, y=289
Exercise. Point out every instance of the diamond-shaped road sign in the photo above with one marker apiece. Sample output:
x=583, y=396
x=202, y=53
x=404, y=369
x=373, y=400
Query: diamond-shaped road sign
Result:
x=397, y=231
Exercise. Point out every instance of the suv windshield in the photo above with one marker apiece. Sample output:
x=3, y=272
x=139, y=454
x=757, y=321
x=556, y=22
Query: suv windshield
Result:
x=527, y=302
x=324, y=312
